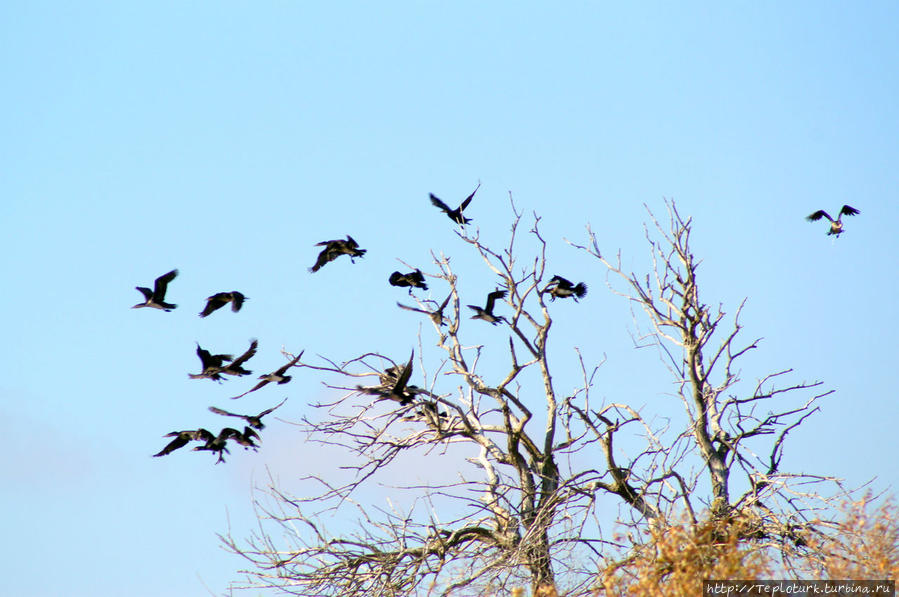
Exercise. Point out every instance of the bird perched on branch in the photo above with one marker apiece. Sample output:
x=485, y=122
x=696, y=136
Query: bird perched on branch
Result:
x=334, y=249
x=836, y=226
x=455, y=214
x=182, y=438
x=487, y=312
x=156, y=298
x=276, y=376
x=436, y=316
x=559, y=287
x=413, y=280
x=220, y=299
x=212, y=364
x=253, y=420
x=399, y=390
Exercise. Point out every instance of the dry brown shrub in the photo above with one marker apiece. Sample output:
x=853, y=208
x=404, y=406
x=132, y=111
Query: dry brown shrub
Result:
x=864, y=546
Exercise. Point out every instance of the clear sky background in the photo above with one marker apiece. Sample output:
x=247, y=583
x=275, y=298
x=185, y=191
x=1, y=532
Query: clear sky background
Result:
x=225, y=139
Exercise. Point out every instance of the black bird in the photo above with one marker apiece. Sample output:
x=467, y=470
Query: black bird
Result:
x=220, y=299
x=156, y=298
x=212, y=364
x=334, y=249
x=455, y=214
x=218, y=443
x=253, y=420
x=276, y=376
x=234, y=367
x=245, y=439
x=836, y=226
x=436, y=316
x=487, y=312
x=398, y=390
x=413, y=280
x=182, y=438
x=559, y=287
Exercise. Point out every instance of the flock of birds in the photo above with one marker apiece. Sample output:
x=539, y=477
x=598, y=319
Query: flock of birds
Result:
x=394, y=381
x=213, y=367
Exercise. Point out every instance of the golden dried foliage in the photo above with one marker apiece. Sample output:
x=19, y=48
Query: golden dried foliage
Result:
x=865, y=545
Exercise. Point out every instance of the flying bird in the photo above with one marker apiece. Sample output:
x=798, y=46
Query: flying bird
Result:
x=334, y=249
x=436, y=316
x=276, y=376
x=253, y=420
x=156, y=298
x=234, y=367
x=487, y=312
x=213, y=364
x=245, y=439
x=836, y=226
x=218, y=443
x=559, y=287
x=182, y=438
x=398, y=390
x=220, y=299
x=455, y=214
x=413, y=280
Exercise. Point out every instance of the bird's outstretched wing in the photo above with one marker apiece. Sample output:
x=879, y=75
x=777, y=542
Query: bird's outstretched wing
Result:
x=269, y=410
x=848, y=210
x=436, y=202
x=162, y=283
x=491, y=299
x=818, y=215
x=245, y=356
x=469, y=198
x=215, y=302
x=291, y=363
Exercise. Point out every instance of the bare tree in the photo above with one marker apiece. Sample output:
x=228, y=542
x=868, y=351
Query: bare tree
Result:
x=525, y=507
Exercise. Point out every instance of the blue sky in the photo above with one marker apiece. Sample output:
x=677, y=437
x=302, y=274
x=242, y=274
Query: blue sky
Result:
x=226, y=139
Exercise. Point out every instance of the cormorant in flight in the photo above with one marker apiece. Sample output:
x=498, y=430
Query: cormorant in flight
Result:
x=559, y=287
x=413, y=280
x=220, y=299
x=334, y=249
x=234, y=367
x=182, y=438
x=836, y=226
x=487, y=312
x=436, y=316
x=398, y=390
x=253, y=420
x=455, y=214
x=212, y=364
x=156, y=298
x=276, y=376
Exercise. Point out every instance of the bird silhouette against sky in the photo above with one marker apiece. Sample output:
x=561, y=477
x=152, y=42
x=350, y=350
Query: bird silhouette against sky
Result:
x=334, y=249
x=276, y=376
x=182, y=438
x=559, y=287
x=220, y=299
x=436, y=315
x=836, y=226
x=156, y=298
x=212, y=364
x=234, y=367
x=486, y=313
x=218, y=444
x=455, y=214
x=253, y=420
x=412, y=280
